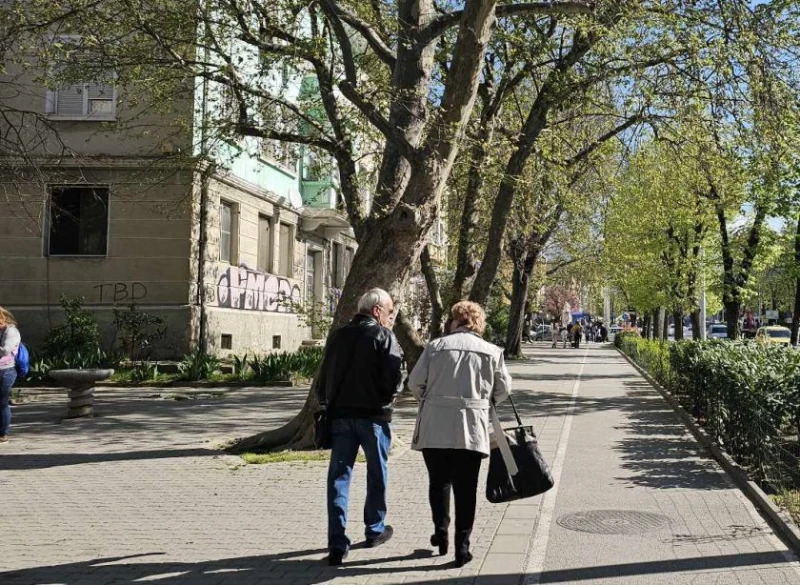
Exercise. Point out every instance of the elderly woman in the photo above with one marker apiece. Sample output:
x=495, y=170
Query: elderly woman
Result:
x=9, y=346
x=456, y=379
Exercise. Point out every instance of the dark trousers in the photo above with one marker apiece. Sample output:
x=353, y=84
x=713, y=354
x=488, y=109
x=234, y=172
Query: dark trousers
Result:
x=457, y=469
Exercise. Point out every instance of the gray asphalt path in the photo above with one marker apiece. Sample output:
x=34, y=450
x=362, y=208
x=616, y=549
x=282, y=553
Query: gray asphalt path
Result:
x=637, y=500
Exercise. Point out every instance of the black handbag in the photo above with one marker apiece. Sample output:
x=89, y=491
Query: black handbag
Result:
x=322, y=429
x=532, y=476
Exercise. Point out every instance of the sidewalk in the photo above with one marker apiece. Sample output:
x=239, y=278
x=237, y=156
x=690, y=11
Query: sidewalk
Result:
x=139, y=494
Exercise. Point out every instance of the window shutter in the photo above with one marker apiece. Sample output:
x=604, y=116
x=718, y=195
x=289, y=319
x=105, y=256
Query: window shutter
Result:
x=70, y=101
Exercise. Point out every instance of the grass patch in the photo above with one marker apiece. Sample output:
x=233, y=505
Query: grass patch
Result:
x=291, y=457
x=790, y=500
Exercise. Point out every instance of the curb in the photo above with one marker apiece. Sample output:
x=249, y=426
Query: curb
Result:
x=778, y=519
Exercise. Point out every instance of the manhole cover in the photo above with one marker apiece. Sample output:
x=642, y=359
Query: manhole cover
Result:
x=613, y=521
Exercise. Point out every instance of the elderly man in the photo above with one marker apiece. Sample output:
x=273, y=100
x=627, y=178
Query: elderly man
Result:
x=358, y=381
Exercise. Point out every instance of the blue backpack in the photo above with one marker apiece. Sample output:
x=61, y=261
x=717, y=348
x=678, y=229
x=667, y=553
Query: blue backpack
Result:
x=22, y=362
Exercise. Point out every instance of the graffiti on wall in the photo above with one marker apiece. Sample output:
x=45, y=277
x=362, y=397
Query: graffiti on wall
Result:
x=241, y=288
x=117, y=292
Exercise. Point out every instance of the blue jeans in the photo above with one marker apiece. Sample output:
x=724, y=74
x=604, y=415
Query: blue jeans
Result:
x=375, y=438
x=7, y=379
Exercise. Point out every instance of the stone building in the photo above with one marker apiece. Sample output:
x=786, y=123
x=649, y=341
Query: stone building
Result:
x=229, y=255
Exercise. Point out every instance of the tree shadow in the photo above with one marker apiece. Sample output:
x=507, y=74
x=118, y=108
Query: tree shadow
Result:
x=44, y=461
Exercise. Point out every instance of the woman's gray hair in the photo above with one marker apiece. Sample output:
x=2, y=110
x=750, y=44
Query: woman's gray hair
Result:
x=372, y=298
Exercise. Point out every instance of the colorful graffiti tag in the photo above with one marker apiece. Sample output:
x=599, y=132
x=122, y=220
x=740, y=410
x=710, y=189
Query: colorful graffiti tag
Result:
x=250, y=290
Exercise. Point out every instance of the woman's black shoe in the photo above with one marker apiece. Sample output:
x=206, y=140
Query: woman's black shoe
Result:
x=441, y=543
x=462, y=560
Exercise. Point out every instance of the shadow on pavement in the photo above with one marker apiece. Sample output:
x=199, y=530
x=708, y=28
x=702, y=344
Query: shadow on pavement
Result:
x=47, y=460
x=274, y=568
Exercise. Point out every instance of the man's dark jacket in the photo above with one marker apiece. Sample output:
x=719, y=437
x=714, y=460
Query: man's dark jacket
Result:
x=360, y=374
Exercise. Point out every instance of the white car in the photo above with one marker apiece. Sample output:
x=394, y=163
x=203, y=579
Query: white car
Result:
x=717, y=331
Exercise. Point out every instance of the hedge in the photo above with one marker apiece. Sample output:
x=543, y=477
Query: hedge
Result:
x=746, y=395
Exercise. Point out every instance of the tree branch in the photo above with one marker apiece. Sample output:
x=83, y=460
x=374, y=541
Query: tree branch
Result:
x=397, y=138
x=441, y=24
x=369, y=34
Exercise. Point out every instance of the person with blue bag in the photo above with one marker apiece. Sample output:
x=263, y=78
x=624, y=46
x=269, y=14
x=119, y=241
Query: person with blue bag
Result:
x=13, y=361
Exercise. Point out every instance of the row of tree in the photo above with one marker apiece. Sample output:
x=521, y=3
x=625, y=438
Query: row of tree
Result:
x=546, y=132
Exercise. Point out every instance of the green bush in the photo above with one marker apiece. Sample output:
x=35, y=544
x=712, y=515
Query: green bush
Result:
x=745, y=394
x=75, y=343
x=198, y=365
x=282, y=367
x=241, y=367
x=274, y=367
x=306, y=361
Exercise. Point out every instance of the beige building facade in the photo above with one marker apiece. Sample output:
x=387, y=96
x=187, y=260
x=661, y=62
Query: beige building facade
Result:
x=230, y=260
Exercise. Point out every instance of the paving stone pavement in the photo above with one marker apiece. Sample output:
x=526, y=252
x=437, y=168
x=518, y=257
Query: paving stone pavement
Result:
x=141, y=494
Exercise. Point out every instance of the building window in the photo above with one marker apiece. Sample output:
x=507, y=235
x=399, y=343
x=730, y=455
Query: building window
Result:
x=285, y=250
x=336, y=266
x=90, y=101
x=349, y=253
x=226, y=341
x=78, y=221
x=264, y=243
x=226, y=232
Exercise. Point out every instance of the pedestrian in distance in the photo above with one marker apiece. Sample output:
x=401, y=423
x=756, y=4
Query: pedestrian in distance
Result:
x=577, y=334
x=358, y=381
x=554, y=332
x=564, y=336
x=456, y=379
x=9, y=346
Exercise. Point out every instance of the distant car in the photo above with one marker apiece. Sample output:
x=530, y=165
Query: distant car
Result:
x=614, y=329
x=671, y=331
x=542, y=333
x=774, y=334
x=717, y=331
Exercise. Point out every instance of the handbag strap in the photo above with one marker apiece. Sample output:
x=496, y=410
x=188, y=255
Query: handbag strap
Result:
x=513, y=406
x=502, y=444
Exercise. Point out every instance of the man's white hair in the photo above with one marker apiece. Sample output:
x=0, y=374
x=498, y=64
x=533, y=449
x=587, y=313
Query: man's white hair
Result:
x=372, y=298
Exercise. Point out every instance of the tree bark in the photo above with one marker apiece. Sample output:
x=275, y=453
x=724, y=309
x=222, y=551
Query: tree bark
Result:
x=677, y=319
x=734, y=281
x=432, y=283
x=516, y=316
x=696, y=333
x=796, y=313
x=646, y=325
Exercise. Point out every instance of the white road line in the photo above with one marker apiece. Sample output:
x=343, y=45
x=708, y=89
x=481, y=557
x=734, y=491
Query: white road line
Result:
x=541, y=535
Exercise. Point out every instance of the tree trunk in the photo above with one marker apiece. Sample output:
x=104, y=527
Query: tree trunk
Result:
x=696, y=333
x=677, y=319
x=732, y=311
x=432, y=283
x=665, y=324
x=466, y=252
x=398, y=227
x=516, y=317
x=646, y=326
x=796, y=313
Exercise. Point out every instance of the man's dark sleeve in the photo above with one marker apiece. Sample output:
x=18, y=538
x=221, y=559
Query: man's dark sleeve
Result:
x=391, y=362
x=322, y=374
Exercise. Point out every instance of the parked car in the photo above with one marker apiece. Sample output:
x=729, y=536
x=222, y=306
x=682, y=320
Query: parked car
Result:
x=542, y=333
x=774, y=334
x=717, y=331
x=613, y=330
